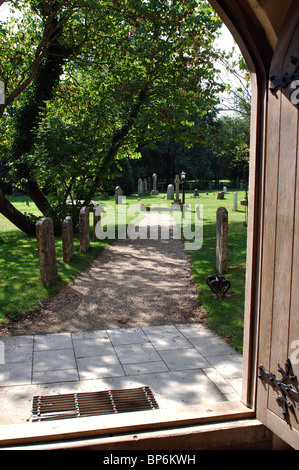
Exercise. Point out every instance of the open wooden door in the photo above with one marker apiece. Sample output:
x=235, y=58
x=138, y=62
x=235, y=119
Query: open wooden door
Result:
x=277, y=398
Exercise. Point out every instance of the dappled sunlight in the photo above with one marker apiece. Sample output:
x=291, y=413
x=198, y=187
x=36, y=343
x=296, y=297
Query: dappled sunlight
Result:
x=147, y=281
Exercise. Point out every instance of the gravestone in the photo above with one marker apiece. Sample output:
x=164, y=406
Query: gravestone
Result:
x=197, y=210
x=84, y=229
x=170, y=192
x=154, y=190
x=220, y=195
x=140, y=187
x=195, y=193
x=177, y=189
x=118, y=195
x=235, y=202
x=46, y=251
x=221, y=241
x=67, y=239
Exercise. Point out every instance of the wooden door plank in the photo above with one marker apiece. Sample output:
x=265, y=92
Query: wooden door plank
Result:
x=268, y=240
x=285, y=224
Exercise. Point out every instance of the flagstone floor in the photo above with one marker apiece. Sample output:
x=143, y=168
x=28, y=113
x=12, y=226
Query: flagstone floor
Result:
x=182, y=364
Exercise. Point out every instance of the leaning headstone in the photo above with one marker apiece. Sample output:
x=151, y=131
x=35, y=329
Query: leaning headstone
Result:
x=84, y=229
x=46, y=251
x=170, y=192
x=195, y=193
x=220, y=195
x=67, y=239
x=235, y=201
x=222, y=240
x=154, y=190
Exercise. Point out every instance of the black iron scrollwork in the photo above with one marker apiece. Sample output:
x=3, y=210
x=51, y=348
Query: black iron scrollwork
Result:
x=288, y=79
x=219, y=285
x=284, y=389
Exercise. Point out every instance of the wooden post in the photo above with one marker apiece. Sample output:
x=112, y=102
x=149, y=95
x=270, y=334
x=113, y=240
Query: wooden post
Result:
x=221, y=241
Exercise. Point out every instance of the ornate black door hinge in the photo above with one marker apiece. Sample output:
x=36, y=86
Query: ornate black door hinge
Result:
x=286, y=78
x=287, y=395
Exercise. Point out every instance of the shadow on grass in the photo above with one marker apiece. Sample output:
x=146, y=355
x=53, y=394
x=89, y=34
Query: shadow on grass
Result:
x=21, y=289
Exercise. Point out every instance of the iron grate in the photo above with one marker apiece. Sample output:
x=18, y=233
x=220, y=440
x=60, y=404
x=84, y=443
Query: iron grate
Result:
x=76, y=405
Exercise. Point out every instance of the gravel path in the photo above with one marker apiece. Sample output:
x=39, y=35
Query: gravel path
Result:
x=132, y=283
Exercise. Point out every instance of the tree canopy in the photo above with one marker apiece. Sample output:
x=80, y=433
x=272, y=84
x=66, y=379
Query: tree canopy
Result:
x=90, y=82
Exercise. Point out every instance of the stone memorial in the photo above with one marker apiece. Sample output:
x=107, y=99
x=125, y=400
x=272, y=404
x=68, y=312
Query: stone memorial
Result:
x=154, y=191
x=195, y=193
x=220, y=195
x=67, y=239
x=177, y=189
x=84, y=229
x=235, y=201
x=222, y=241
x=46, y=251
x=170, y=192
x=140, y=187
x=118, y=195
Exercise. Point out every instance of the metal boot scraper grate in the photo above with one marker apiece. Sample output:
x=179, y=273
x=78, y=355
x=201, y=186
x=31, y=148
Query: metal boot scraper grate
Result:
x=78, y=405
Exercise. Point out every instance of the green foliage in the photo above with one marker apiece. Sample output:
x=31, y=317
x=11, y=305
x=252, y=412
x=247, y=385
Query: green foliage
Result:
x=233, y=146
x=114, y=75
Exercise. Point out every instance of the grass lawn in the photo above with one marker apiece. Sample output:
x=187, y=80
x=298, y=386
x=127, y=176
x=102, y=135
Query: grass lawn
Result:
x=227, y=316
x=21, y=290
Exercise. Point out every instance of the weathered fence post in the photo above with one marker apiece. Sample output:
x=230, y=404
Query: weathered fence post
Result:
x=84, y=229
x=221, y=241
x=67, y=239
x=46, y=251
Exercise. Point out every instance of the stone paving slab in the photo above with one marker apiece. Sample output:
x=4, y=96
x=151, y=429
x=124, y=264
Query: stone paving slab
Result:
x=181, y=363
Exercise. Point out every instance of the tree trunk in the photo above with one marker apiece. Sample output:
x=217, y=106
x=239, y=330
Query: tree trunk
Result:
x=15, y=216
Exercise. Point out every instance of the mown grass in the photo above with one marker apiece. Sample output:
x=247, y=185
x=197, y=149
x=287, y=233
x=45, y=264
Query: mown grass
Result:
x=21, y=290
x=227, y=316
